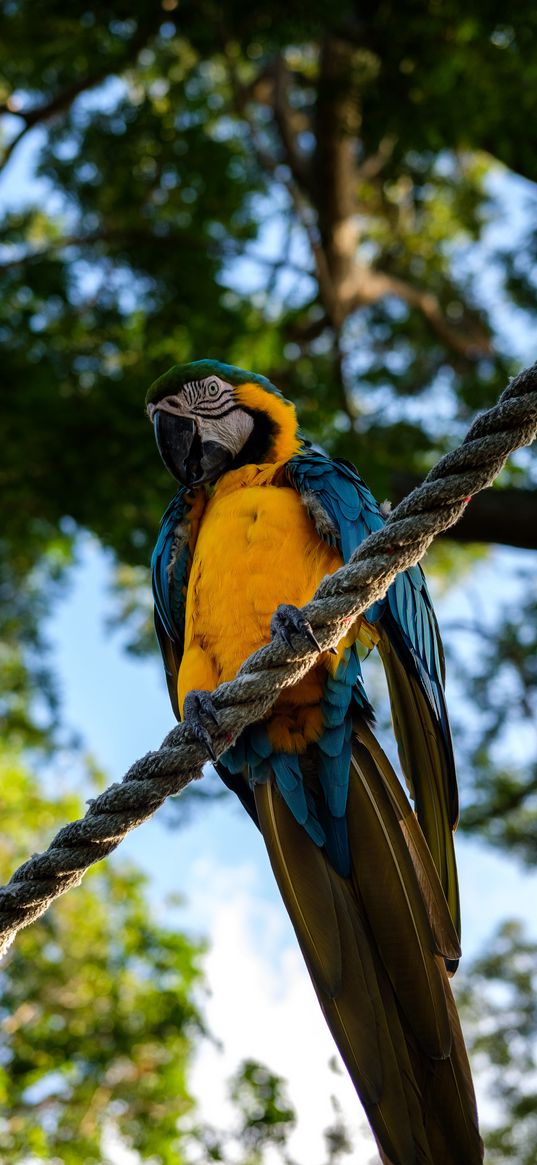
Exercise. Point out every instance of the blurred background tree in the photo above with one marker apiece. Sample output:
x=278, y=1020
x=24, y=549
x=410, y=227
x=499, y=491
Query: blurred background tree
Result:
x=97, y=1009
x=99, y=1013
x=342, y=198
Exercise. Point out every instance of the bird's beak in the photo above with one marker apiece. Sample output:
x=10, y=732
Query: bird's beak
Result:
x=188, y=458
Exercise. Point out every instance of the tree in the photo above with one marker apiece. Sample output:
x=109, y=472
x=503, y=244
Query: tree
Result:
x=97, y=1010
x=499, y=1005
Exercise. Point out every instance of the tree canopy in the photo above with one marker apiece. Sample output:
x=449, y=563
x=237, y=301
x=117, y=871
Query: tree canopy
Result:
x=342, y=165
x=97, y=1010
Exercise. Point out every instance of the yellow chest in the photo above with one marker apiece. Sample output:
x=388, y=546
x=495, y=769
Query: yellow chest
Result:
x=256, y=548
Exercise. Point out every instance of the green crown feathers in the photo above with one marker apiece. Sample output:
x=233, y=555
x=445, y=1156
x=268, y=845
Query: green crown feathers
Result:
x=173, y=380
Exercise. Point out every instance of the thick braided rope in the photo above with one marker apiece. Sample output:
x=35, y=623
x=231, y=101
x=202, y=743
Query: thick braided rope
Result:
x=427, y=511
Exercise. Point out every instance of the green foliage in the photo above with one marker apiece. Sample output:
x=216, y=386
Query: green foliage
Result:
x=267, y=1118
x=500, y=1012
x=24, y=674
x=97, y=1010
x=501, y=684
x=113, y=272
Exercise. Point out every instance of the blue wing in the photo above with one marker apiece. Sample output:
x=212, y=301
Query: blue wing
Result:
x=406, y=615
x=170, y=566
x=410, y=647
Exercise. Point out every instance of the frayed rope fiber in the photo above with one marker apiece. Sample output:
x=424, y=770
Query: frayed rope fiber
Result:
x=430, y=509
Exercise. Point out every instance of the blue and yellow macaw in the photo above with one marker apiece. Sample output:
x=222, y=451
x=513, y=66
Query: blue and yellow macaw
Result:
x=370, y=886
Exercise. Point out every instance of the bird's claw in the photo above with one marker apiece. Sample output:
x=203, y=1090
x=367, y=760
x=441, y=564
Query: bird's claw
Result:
x=198, y=709
x=288, y=621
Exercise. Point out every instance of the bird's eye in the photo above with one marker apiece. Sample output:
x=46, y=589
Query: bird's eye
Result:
x=213, y=387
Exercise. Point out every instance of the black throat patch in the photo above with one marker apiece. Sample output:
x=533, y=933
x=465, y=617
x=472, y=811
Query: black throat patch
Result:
x=258, y=445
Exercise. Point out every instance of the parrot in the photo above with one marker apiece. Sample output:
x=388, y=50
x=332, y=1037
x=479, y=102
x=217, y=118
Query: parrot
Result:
x=367, y=874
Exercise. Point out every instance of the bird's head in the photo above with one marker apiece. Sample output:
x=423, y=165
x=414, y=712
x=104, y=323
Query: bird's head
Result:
x=210, y=417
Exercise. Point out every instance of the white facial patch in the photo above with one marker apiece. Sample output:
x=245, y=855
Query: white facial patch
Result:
x=231, y=431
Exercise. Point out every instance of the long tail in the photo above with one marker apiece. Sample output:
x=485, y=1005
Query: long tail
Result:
x=422, y=730
x=375, y=945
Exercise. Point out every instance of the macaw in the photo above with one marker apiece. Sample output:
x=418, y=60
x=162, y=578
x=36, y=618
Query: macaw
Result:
x=370, y=884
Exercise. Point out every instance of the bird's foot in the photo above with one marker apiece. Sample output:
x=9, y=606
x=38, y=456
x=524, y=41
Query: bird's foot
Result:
x=288, y=621
x=198, y=712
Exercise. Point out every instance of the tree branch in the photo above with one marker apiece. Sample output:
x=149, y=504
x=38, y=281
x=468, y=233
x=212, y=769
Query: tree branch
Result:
x=286, y=124
x=228, y=250
x=477, y=816
x=325, y=194
x=43, y=113
x=304, y=210
x=367, y=286
x=40, y=114
x=505, y=516
x=335, y=169
x=105, y=234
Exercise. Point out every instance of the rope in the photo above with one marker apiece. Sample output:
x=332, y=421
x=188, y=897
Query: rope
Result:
x=430, y=509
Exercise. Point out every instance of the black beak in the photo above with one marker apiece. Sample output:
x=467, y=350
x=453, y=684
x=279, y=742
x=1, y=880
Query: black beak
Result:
x=189, y=459
x=176, y=441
